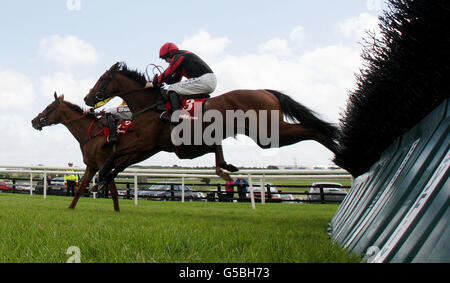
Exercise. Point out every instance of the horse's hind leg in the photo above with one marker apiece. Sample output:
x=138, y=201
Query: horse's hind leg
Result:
x=88, y=174
x=220, y=163
x=293, y=133
x=220, y=160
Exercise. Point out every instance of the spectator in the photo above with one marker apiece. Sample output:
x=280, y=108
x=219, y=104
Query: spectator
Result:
x=242, y=189
x=229, y=189
x=70, y=182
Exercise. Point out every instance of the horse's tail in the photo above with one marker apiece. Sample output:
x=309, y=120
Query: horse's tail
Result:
x=308, y=118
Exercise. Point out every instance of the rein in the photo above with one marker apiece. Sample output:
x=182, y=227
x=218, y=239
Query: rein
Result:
x=151, y=107
x=75, y=119
x=89, y=137
x=100, y=95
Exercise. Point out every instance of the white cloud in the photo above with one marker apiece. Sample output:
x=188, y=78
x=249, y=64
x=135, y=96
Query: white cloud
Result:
x=16, y=91
x=67, y=51
x=320, y=79
x=298, y=36
x=357, y=27
x=32, y=147
x=204, y=45
x=275, y=46
x=65, y=83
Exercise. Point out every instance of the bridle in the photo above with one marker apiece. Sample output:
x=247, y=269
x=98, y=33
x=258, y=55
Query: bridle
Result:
x=43, y=122
x=100, y=95
x=45, y=116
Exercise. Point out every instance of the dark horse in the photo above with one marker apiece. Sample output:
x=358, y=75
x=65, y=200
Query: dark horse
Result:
x=154, y=135
x=81, y=126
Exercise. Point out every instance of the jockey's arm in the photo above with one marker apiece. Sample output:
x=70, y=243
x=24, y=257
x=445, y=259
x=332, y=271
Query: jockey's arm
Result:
x=169, y=73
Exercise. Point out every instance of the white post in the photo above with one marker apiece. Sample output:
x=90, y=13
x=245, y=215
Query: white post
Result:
x=182, y=189
x=252, y=196
x=31, y=184
x=135, y=189
x=263, y=189
x=94, y=195
x=45, y=184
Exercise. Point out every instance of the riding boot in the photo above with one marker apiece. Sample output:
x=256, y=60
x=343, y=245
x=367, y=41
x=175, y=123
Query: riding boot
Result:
x=175, y=102
x=112, y=139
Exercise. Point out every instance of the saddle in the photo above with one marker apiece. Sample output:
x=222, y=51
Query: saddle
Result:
x=192, y=106
x=111, y=123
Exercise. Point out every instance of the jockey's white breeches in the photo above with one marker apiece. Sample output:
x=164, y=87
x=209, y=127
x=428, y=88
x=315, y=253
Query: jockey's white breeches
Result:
x=205, y=84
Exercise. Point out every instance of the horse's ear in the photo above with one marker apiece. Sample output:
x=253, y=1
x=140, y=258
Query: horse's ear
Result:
x=56, y=96
x=61, y=97
x=114, y=67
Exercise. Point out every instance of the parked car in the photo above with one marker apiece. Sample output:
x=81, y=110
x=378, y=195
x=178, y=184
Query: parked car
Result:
x=164, y=192
x=122, y=193
x=23, y=187
x=336, y=189
x=290, y=198
x=275, y=193
x=6, y=186
x=56, y=187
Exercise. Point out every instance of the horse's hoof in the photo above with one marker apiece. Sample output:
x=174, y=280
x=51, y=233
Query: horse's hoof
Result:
x=94, y=188
x=231, y=168
x=102, y=186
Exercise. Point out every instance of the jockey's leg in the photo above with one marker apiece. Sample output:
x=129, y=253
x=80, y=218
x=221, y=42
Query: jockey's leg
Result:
x=174, y=99
x=205, y=84
x=112, y=139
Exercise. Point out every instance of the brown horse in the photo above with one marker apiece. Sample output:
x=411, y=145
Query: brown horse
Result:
x=83, y=127
x=154, y=135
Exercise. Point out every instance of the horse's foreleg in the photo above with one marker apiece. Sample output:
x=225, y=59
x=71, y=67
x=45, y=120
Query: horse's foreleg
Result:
x=106, y=168
x=120, y=163
x=88, y=174
x=112, y=161
x=115, y=195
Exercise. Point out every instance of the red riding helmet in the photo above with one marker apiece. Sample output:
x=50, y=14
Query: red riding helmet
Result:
x=167, y=49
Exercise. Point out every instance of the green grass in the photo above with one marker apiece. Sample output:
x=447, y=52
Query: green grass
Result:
x=36, y=230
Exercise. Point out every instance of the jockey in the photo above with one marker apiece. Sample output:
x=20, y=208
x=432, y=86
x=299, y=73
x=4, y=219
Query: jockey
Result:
x=182, y=63
x=108, y=121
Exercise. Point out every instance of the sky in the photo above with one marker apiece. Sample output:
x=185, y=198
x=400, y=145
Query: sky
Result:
x=310, y=50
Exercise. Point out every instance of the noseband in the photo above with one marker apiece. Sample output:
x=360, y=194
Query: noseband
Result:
x=100, y=95
x=45, y=116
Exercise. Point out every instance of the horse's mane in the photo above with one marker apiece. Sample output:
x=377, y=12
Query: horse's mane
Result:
x=132, y=74
x=74, y=107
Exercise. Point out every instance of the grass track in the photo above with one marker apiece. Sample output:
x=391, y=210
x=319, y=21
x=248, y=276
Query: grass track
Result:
x=36, y=230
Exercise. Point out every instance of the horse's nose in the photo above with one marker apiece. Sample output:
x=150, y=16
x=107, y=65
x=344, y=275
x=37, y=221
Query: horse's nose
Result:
x=35, y=124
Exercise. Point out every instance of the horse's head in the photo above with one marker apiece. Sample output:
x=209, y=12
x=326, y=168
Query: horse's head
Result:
x=49, y=116
x=105, y=87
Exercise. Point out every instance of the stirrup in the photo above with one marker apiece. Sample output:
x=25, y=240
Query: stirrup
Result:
x=164, y=117
x=112, y=141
